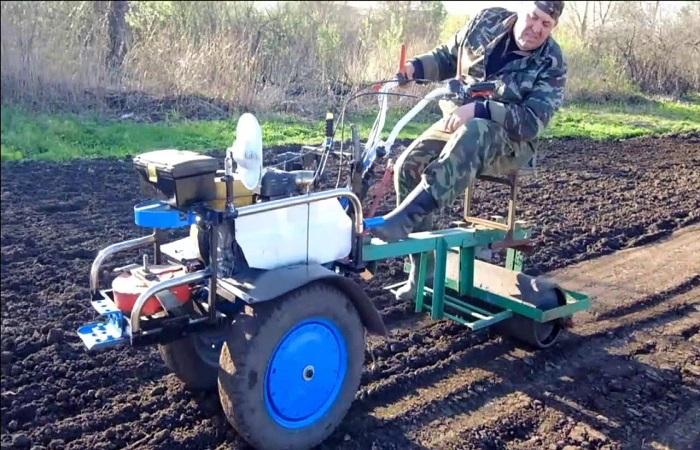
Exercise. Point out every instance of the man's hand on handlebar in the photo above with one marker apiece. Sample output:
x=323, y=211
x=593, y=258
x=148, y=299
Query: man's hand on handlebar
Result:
x=459, y=117
x=406, y=75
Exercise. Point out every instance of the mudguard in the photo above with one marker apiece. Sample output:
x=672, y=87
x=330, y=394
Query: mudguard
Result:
x=256, y=286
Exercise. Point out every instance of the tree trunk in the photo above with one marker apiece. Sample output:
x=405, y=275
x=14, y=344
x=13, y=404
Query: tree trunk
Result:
x=116, y=29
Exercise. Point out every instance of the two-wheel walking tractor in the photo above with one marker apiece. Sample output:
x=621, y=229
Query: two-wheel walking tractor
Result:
x=257, y=300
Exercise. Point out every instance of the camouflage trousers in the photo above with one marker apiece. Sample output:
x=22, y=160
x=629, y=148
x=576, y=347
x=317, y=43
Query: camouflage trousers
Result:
x=447, y=163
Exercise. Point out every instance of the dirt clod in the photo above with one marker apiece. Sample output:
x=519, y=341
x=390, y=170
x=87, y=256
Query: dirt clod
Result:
x=21, y=440
x=55, y=336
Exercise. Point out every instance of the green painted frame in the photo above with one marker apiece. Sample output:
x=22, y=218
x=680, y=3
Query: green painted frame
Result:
x=465, y=240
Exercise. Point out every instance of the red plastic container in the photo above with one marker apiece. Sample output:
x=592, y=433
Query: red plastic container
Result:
x=127, y=288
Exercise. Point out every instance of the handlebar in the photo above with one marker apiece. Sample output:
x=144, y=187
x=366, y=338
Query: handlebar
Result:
x=455, y=88
x=472, y=91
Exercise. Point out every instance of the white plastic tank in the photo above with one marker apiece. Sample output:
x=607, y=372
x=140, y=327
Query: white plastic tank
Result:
x=319, y=232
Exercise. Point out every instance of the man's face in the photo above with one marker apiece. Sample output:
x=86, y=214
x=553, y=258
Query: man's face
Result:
x=533, y=27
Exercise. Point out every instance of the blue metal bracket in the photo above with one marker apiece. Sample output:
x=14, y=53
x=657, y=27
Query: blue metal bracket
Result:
x=112, y=331
x=157, y=214
x=373, y=222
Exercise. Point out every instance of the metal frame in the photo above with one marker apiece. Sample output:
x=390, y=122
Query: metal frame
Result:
x=305, y=199
x=454, y=297
x=107, y=252
x=461, y=294
x=511, y=181
x=132, y=326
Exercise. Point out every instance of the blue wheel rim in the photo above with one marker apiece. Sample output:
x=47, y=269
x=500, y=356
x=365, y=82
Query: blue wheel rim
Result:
x=306, y=373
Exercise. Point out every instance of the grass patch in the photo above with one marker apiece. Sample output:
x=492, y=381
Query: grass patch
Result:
x=27, y=135
x=621, y=121
x=62, y=137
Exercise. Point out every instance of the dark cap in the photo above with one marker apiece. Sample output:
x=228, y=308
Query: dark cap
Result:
x=553, y=8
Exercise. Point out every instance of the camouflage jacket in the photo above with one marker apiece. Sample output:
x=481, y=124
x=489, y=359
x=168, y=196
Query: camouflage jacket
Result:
x=529, y=90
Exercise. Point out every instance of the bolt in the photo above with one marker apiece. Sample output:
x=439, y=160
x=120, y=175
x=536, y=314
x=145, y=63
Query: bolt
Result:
x=308, y=373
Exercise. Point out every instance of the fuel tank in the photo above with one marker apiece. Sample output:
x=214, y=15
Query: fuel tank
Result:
x=129, y=285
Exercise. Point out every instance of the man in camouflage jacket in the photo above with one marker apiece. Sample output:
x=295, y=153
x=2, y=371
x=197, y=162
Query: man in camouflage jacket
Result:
x=494, y=136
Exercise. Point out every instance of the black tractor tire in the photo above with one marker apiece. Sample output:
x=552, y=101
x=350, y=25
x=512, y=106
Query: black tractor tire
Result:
x=183, y=359
x=195, y=358
x=250, y=353
x=536, y=335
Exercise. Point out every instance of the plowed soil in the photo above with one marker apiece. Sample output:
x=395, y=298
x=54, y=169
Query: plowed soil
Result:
x=626, y=375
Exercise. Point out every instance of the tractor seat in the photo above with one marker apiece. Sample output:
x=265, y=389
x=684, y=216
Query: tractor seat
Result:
x=510, y=179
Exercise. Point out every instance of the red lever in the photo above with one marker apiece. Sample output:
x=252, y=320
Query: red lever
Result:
x=377, y=87
x=402, y=62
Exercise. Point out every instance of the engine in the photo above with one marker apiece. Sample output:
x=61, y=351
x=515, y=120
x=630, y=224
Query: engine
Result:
x=319, y=232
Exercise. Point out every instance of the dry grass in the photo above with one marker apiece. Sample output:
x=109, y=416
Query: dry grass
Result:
x=51, y=54
x=300, y=59
x=297, y=59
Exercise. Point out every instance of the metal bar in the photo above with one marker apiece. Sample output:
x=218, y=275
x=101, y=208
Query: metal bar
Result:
x=468, y=194
x=482, y=323
x=449, y=301
x=487, y=223
x=501, y=316
x=420, y=285
x=436, y=93
x=464, y=303
x=466, y=270
x=511, y=204
x=573, y=296
x=157, y=256
x=306, y=199
x=563, y=311
x=394, y=286
x=426, y=241
x=378, y=250
x=517, y=306
x=152, y=336
x=162, y=285
x=573, y=305
x=213, y=269
x=458, y=319
x=111, y=250
x=510, y=259
x=439, y=280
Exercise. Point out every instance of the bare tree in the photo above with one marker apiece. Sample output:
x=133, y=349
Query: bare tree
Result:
x=590, y=15
x=117, y=31
x=580, y=20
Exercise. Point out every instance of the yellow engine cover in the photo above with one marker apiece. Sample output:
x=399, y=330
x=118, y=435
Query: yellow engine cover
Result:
x=241, y=195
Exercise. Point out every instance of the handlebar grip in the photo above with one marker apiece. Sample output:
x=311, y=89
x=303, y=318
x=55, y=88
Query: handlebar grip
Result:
x=484, y=86
x=455, y=86
x=402, y=78
x=329, y=125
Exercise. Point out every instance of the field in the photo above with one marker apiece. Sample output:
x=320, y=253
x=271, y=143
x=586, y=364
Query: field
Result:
x=625, y=375
x=614, y=206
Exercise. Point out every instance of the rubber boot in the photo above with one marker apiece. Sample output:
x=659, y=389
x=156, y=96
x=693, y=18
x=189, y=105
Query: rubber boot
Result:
x=402, y=221
x=407, y=292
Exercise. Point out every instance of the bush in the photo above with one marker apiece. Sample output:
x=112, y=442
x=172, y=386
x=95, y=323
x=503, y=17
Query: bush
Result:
x=660, y=54
x=299, y=57
x=638, y=48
